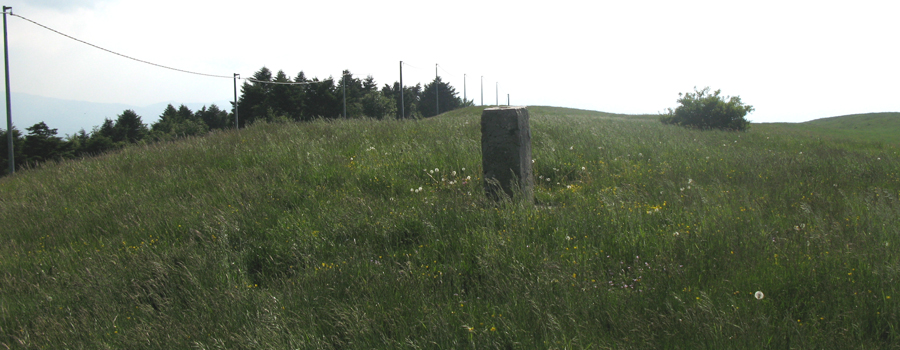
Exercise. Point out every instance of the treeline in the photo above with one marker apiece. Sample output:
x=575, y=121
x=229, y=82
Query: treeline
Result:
x=263, y=98
x=305, y=99
x=41, y=143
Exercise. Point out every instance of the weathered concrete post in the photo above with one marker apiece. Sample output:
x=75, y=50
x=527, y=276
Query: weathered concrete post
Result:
x=506, y=153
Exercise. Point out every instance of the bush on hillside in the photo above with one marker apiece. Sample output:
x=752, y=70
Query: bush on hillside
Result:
x=704, y=110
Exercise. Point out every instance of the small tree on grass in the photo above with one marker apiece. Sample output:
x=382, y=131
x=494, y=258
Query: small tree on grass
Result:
x=703, y=110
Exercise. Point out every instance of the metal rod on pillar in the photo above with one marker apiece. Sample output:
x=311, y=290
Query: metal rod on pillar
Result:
x=497, y=93
x=9, y=131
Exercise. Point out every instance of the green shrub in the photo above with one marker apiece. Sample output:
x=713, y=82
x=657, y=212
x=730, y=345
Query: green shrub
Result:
x=702, y=110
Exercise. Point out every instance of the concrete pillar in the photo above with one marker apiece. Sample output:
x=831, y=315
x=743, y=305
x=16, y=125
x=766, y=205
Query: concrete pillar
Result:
x=506, y=153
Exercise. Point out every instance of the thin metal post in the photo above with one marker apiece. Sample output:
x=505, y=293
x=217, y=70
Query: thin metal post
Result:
x=344, y=88
x=497, y=93
x=507, y=99
x=402, y=106
x=464, y=89
x=437, y=108
x=236, y=125
x=482, y=90
x=9, y=131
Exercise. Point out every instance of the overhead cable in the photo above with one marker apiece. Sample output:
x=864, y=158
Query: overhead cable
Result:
x=445, y=71
x=410, y=66
x=183, y=70
x=119, y=54
x=282, y=82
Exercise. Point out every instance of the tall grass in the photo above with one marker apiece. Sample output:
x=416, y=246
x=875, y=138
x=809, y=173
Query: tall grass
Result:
x=376, y=234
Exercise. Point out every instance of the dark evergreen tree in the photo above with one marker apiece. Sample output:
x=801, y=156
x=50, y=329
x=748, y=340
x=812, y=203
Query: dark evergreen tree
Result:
x=42, y=144
x=448, y=99
x=281, y=99
x=376, y=105
x=177, y=123
x=129, y=128
x=321, y=100
x=107, y=129
x=369, y=84
x=18, y=145
x=98, y=143
x=354, y=93
x=410, y=98
x=252, y=104
x=298, y=97
x=215, y=118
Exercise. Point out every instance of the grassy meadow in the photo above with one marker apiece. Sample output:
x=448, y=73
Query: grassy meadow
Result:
x=877, y=127
x=353, y=234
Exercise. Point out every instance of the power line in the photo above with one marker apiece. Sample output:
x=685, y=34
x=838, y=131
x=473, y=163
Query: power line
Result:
x=119, y=54
x=282, y=82
x=410, y=66
x=184, y=70
x=159, y=65
x=446, y=71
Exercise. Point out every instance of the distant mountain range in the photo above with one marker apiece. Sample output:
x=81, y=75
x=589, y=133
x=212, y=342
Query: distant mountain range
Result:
x=70, y=116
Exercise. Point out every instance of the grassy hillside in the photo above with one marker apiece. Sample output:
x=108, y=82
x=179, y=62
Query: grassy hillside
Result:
x=879, y=127
x=376, y=234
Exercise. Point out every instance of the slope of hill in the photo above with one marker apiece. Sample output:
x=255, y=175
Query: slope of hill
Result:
x=876, y=127
x=376, y=234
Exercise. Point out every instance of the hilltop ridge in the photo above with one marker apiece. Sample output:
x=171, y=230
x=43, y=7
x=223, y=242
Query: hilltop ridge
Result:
x=377, y=234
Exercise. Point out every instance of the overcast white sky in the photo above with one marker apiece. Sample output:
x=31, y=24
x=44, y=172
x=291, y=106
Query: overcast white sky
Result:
x=792, y=60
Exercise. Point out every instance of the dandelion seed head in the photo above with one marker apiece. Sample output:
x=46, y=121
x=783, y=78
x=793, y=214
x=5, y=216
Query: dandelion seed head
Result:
x=759, y=295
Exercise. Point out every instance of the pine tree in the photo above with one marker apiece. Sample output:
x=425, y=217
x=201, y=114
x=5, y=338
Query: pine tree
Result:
x=129, y=128
x=448, y=98
x=42, y=144
x=253, y=102
x=215, y=118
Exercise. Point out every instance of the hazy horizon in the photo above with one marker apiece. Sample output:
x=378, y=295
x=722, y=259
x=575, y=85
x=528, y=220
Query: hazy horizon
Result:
x=793, y=62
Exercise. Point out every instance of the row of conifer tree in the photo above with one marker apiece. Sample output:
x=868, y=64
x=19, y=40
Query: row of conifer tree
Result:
x=260, y=100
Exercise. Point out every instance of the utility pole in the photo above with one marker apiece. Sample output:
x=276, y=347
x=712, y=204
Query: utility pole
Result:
x=402, y=112
x=344, y=88
x=437, y=108
x=9, y=131
x=236, y=77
